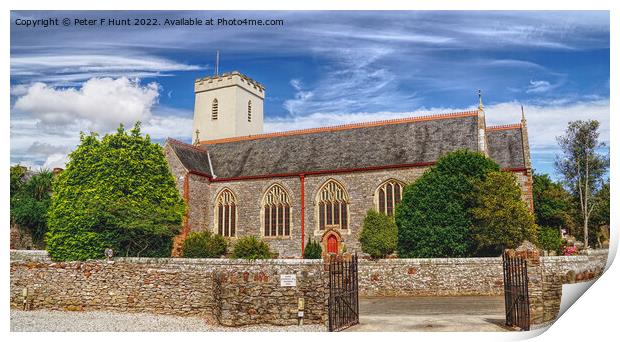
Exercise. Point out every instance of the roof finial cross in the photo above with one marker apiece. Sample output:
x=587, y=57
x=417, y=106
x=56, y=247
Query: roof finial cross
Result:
x=197, y=140
x=480, y=105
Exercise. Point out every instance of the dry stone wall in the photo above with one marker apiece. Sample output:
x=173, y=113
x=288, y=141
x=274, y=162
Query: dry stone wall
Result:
x=234, y=292
x=431, y=277
x=237, y=292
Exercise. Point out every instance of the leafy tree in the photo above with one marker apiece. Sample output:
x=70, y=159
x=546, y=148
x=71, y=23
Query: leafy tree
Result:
x=552, y=203
x=434, y=218
x=251, y=248
x=204, y=244
x=116, y=192
x=601, y=214
x=550, y=239
x=379, y=234
x=582, y=167
x=30, y=201
x=501, y=218
x=18, y=174
x=312, y=250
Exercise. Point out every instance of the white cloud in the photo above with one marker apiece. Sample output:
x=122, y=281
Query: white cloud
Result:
x=72, y=67
x=545, y=122
x=539, y=87
x=56, y=160
x=46, y=121
x=100, y=104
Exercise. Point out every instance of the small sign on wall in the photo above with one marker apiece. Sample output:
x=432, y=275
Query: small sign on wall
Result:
x=288, y=280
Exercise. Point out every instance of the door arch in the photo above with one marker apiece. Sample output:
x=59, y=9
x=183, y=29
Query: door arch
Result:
x=332, y=244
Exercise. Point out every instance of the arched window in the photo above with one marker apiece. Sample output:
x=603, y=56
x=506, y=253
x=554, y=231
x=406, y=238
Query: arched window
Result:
x=226, y=213
x=249, y=110
x=214, y=109
x=276, y=212
x=388, y=196
x=332, y=206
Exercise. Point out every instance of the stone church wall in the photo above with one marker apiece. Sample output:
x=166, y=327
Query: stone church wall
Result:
x=360, y=186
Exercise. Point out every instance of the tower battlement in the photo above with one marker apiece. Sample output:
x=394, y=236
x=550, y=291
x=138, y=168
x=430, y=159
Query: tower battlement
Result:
x=227, y=105
x=229, y=79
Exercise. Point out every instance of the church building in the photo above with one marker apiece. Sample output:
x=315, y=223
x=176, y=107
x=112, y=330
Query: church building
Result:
x=288, y=187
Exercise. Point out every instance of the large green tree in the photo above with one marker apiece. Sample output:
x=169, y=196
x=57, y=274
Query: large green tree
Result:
x=582, y=166
x=501, y=219
x=116, y=192
x=601, y=214
x=434, y=218
x=552, y=203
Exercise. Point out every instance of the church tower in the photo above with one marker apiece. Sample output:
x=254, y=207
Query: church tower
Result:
x=227, y=105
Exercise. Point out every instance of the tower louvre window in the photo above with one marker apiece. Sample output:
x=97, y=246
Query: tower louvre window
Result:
x=214, y=110
x=250, y=111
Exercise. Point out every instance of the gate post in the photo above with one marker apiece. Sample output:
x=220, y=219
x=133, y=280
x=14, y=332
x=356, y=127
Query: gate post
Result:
x=531, y=253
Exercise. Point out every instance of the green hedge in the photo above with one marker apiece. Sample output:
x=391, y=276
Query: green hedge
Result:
x=312, y=250
x=204, y=244
x=379, y=234
x=550, y=239
x=251, y=248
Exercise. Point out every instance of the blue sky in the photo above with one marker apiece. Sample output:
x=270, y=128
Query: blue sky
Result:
x=319, y=68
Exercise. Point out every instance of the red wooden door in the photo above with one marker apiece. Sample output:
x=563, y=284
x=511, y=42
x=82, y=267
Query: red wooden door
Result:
x=332, y=244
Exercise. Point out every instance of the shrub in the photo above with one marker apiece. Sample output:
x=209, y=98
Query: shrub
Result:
x=30, y=200
x=434, y=218
x=251, y=248
x=501, y=218
x=204, y=244
x=313, y=250
x=379, y=234
x=550, y=239
x=116, y=192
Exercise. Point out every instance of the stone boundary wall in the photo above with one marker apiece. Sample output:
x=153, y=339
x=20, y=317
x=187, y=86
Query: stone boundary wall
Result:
x=431, y=277
x=235, y=292
x=576, y=268
x=238, y=292
x=465, y=276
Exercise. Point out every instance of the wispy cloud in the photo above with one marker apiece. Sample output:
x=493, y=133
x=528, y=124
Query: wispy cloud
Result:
x=68, y=69
x=539, y=87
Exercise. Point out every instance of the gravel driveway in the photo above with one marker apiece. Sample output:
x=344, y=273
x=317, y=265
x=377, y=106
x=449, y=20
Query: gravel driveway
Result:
x=44, y=320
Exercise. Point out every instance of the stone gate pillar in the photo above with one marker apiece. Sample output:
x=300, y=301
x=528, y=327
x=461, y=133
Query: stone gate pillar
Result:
x=531, y=253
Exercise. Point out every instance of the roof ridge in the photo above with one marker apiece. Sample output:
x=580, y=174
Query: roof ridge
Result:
x=504, y=127
x=179, y=142
x=343, y=127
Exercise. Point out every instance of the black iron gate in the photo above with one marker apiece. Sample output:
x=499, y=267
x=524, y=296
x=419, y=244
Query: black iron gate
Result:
x=343, y=306
x=517, y=299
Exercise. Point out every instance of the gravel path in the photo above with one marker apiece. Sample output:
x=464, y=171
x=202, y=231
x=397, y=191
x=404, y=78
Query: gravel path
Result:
x=44, y=320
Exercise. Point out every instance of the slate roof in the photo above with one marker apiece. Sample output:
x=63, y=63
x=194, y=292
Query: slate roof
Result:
x=505, y=146
x=192, y=157
x=379, y=144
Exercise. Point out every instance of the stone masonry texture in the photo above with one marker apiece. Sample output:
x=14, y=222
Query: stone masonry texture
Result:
x=360, y=188
x=234, y=292
x=238, y=292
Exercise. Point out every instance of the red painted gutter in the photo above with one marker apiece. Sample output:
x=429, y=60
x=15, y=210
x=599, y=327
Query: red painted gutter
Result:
x=302, y=178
